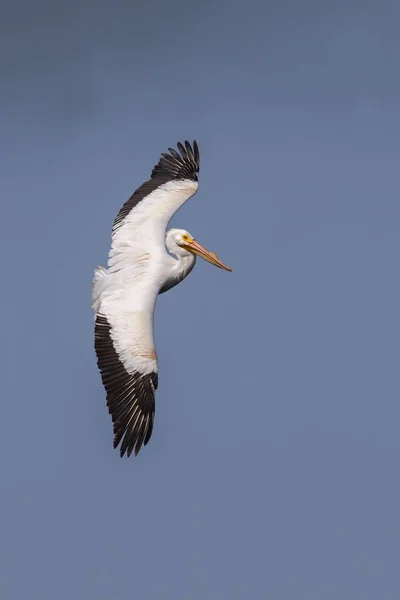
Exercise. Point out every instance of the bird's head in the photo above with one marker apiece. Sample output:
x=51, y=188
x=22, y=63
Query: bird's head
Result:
x=180, y=239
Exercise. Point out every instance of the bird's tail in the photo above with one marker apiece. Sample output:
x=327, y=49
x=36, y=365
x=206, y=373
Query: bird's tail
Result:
x=99, y=274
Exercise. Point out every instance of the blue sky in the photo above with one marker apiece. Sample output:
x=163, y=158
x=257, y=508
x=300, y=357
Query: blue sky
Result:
x=273, y=467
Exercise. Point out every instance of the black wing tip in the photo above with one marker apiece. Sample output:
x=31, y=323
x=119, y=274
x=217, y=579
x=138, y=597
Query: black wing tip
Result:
x=133, y=441
x=183, y=163
x=132, y=432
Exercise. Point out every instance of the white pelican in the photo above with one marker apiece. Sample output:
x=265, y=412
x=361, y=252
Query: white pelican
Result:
x=145, y=260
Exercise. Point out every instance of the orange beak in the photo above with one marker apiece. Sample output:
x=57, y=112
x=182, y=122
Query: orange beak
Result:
x=210, y=257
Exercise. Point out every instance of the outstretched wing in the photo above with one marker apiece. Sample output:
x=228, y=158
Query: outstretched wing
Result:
x=124, y=295
x=172, y=167
x=130, y=387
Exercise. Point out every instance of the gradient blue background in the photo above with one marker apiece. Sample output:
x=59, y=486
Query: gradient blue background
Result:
x=273, y=471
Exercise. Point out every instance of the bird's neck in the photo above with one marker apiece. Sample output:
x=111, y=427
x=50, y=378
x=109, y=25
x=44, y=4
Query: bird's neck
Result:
x=180, y=268
x=185, y=265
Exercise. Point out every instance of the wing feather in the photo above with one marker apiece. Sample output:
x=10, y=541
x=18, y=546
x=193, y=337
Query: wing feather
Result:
x=170, y=167
x=128, y=393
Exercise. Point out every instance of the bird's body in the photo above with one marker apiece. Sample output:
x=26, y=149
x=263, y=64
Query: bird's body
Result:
x=144, y=261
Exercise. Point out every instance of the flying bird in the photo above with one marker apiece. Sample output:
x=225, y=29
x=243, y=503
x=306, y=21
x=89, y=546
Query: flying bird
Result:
x=145, y=260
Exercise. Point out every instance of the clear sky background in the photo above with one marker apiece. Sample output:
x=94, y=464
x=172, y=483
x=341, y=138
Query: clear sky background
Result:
x=273, y=471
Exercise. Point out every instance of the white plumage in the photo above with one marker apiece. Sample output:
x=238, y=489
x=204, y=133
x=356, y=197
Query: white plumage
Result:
x=124, y=294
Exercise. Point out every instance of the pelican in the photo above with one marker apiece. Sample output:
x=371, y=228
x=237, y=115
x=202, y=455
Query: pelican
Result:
x=145, y=260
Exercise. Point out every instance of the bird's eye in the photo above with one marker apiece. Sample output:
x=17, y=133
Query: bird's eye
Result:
x=185, y=237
